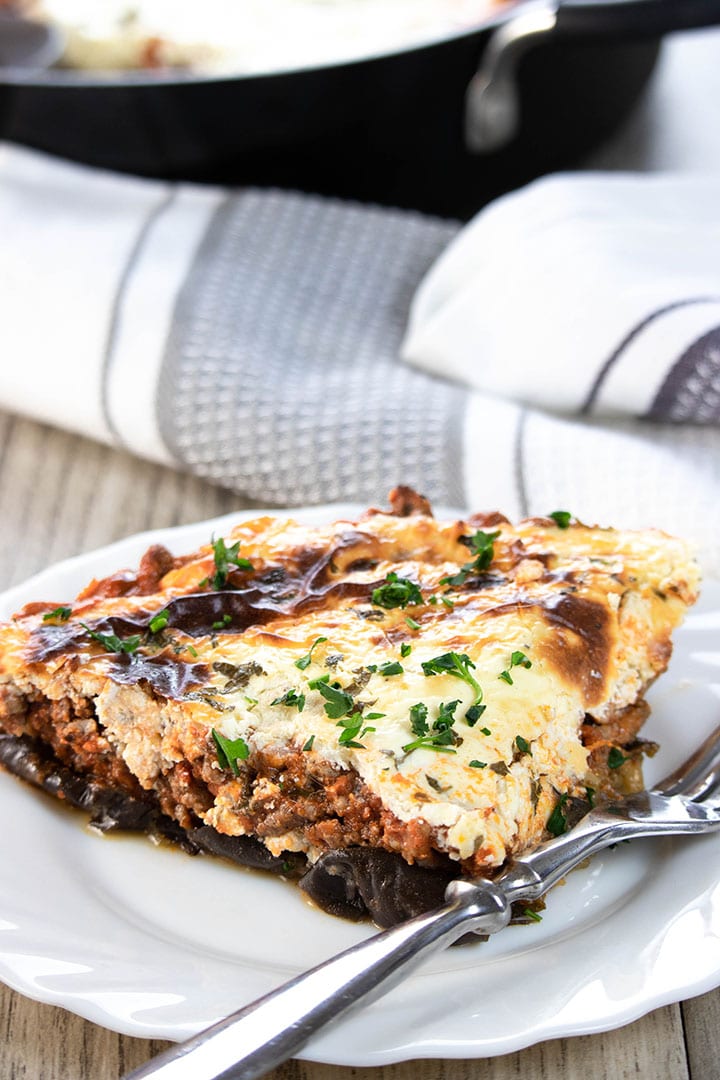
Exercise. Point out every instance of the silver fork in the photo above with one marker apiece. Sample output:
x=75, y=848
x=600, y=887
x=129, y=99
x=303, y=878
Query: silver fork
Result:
x=255, y=1039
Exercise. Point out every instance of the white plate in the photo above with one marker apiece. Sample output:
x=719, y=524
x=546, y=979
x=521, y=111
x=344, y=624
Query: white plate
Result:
x=151, y=942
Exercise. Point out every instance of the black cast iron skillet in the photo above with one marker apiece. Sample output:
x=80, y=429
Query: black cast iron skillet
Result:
x=442, y=127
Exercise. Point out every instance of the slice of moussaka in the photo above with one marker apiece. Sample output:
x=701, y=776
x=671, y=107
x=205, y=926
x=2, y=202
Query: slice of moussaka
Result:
x=372, y=706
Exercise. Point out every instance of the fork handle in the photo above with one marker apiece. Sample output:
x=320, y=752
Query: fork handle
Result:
x=248, y=1043
x=642, y=815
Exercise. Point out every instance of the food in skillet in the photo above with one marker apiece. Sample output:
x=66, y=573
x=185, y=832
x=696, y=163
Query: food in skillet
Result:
x=371, y=706
x=245, y=35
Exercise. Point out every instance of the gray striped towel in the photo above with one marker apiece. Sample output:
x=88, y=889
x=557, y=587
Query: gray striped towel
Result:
x=255, y=338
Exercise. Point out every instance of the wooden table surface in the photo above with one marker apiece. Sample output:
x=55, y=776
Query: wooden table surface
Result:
x=60, y=495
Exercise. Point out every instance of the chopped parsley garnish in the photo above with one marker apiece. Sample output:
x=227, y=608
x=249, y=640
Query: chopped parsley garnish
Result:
x=523, y=745
x=518, y=659
x=222, y=623
x=225, y=559
x=306, y=660
x=159, y=622
x=475, y=764
x=562, y=518
x=557, y=822
x=616, y=758
x=113, y=643
x=530, y=914
x=405, y=649
x=392, y=667
x=192, y=650
x=474, y=713
x=229, y=751
x=338, y=702
x=351, y=732
x=251, y=701
x=458, y=665
x=418, y=718
x=397, y=592
x=485, y=731
x=481, y=546
x=309, y=744
x=441, y=736
x=60, y=614
x=292, y=699
x=449, y=604
x=412, y=623
x=375, y=715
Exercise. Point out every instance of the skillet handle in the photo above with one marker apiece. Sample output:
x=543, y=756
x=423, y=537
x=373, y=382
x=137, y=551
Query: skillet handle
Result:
x=634, y=18
x=492, y=106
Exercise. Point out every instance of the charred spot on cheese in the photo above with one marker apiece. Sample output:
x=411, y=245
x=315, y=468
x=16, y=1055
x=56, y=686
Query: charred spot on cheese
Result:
x=361, y=720
x=582, y=643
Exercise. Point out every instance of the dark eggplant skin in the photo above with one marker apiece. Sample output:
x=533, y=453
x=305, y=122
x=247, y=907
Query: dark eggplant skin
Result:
x=352, y=883
x=110, y=809
x=246, y=851
x=357, y=881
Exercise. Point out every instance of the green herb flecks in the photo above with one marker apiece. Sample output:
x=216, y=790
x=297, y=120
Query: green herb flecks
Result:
x=392, y=667
x=159, y=622
x=337, y=701
x=292, y=699
x=226, y=559
x=458, y=665
x=405, y=649
x=305, y=661
x=229, y=751
x=397, y=592
x=615, y=758
x=309, y=744
x=473, y=714
x=112, y=643
x=557, y=822
x=60, y=614
x=441, y=736
x=412, y=623
x=475, y=764
x=532, y=915
x=523, y=745
x=221, y=624
x=353, y=730
x=481, y=545
x=562, y=518
x=518, y=659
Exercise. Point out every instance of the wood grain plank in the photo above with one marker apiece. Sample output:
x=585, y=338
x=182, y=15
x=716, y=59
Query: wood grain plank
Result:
x=45, y=1043
x=701, y=1017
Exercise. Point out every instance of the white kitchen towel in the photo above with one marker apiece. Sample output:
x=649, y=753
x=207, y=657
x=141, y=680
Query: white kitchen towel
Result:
x=588, y=293
x=253, y=337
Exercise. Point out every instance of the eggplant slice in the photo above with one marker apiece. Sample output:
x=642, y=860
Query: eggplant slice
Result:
x=353, y=883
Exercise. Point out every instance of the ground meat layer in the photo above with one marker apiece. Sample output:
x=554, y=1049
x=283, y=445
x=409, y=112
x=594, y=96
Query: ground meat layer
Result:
x=284, y=791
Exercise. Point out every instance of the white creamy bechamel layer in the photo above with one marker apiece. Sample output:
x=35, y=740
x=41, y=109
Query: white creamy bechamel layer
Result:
x=476, y=793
